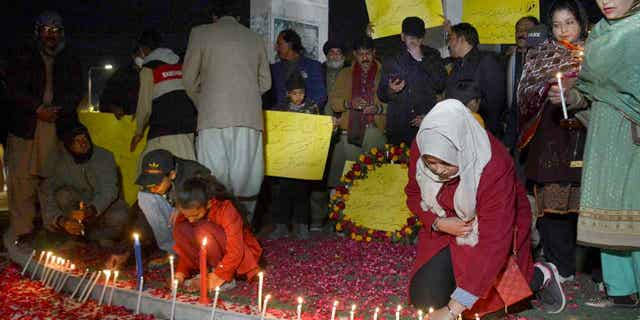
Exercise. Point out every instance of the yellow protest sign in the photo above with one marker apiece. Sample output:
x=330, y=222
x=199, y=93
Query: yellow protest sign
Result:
x=386, y=15
x=496, y=20
x=379, y=202
x=296, y=144
x=115, y=135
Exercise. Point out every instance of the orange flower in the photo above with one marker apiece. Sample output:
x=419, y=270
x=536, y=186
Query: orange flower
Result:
x=398, y=234
x=361, y=158
x=394, y=158
x=374, y=150
x=370, y=231
x=358, y=237
x=338, y=226
x=388, y=234
x=353, y=236
x=368, y=239
x=345, y=197
x=370, y=167
x=408, y=230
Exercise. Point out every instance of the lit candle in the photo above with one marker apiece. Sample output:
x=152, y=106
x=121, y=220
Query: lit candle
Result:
x=52, y=270
x=333, y=310
x=375, y=314
x=66, y=277
x=35, y=269
x=64, y=267
x=299, y=309
x=139, y=294
x=215, y=303
x=398, y=308
x=138, y=252
x=47, y=270
x=352, y=312
x=174, y=294
x=113, y=285
x=87, y=285
x=562, y=100
x=260, y=281
x=44, y=266
x=431, y=310
x=93, y=286
x=84, y=275
x=419, y=314
x=173, y=278
x=204, y=274
x=264, y=306
x=33, y=253
x=107, y=274
x=60, y=273
x=477, y=315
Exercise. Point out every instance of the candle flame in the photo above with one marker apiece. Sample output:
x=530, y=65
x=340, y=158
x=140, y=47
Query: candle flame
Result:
x=107, y=272
x=420, y=313
x=73, y=266
x=399, y=308
x=49, y=253
x=353, y=307
x=377, y=309
x=559, y=75
x=136, y=236
x=217, y=289
x=171, y=258
x=204, y=241
x=300, y=300
x=431, y=310
x=260, y=274
x=267, y=297
x=175, y=283
x=335, y=303
x=478, y=316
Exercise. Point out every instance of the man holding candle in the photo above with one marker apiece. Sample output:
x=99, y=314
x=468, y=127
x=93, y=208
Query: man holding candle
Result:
x=206, y=210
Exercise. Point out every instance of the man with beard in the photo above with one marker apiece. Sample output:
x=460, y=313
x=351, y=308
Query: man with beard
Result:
x=334, y=52
x=45, y=86
x=410, y=82
x=363, y=115
x=81, y=198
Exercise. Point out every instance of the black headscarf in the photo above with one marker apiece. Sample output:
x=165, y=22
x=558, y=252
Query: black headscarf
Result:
x=69, y=135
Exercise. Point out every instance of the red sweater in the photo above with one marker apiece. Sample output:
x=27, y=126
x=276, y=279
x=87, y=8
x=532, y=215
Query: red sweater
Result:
x=501, y=203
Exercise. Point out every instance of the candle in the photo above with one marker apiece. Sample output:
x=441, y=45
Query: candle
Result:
x=204, y=274
x=562, y=100
x=63, y=272
x=477, y=315
x=47, y=267
x=52, y=270
x=260, y=281
x=215, y=302
x=44, y=266
x=138, y=252
x=93, y=285
x=59, y=273
x=107, y=274
x=419, y=314
x=35, y=269
x=84, y=275
x=173, y=277
x=375, y=314
x=174, y=294
x=139, y=294
x=431, y=310
x=264, y=306
x=333, y=310
x=352, y=312
x=398, y=308
x=33, y=253
x=299, y=309
x=87, y=285
x=66, y=277
x=113, y=285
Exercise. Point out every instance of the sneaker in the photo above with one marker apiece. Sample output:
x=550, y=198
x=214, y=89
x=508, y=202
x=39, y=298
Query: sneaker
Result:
x=280, y=231
x=614, y=302
x=301, y=231
x=551, y=297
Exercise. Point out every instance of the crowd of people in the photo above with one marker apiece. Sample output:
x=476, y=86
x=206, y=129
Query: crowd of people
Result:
x=543, y=140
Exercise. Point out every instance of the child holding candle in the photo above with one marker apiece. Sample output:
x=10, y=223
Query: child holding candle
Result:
x=207, y=210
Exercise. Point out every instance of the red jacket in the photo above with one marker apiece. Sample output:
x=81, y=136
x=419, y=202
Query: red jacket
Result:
x=501, y=204
x=242, y=251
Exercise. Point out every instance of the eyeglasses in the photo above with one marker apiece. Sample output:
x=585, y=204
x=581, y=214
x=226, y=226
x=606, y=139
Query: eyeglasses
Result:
x=51, y=29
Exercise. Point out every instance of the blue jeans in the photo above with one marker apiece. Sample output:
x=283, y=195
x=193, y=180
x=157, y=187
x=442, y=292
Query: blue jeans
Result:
x=158, y=211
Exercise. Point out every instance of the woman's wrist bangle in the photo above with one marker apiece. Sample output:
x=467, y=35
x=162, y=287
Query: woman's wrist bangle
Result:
x=434, y=226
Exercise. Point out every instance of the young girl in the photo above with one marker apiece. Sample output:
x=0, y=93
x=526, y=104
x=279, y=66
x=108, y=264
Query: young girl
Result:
x=207, y=210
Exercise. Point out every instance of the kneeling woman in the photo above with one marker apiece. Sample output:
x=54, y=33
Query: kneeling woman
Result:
x=463, y=187
x=206, y=210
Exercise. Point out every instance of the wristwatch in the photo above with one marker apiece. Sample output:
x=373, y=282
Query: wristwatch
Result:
x=434, y=226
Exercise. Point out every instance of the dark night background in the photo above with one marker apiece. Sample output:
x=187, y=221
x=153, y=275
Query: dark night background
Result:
x=102, y=32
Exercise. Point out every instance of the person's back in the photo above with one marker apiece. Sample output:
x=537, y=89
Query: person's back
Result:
x=225, y=72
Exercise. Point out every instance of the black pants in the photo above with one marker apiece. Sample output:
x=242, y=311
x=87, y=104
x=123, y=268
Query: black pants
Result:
x=290, y=201
x=558, y=235
x=433, y=284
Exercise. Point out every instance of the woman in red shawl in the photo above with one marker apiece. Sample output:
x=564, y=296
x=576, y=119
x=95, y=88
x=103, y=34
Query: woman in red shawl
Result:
x=463, y=187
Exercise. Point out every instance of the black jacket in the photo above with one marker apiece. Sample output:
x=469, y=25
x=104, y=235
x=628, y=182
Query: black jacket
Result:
x=485, y=69
x=424, y=79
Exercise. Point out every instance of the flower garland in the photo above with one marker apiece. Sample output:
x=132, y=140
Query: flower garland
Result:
x=366, y=163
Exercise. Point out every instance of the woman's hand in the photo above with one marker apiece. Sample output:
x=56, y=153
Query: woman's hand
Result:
x=454, y=226
x=214, y=281
x=180, y=277
x=569, y=93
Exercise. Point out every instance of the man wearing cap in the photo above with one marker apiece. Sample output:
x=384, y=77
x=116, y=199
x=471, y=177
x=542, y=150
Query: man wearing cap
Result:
x=410, y=82
x=334, y=52
x=163, y=104
x=162, y=176
x=82, y=196
x=45, y=86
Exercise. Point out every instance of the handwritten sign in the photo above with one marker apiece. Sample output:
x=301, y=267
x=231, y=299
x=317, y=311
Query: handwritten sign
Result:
x=496, y=20
x=296, y=144
x=115, y=135
x=379, y=202
x=386, y=15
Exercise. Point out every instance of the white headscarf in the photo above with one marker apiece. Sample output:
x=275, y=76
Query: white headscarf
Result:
x=450, y=132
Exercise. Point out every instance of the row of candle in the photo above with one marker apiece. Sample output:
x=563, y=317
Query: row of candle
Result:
x=55, y=271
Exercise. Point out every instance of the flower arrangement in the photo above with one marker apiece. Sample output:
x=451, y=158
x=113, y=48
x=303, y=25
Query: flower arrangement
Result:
x=366, y=165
